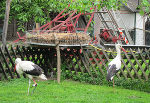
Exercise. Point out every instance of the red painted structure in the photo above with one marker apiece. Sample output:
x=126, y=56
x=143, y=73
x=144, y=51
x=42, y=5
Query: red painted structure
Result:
x=69, y=24
x=106, y=35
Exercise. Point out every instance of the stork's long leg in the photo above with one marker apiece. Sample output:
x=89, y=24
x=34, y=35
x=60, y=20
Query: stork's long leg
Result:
x=35, y=85
x=34, y=89
x=113, y=83
x=29, y=86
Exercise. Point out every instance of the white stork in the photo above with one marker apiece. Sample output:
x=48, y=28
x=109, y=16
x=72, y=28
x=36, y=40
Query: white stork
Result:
x=115, y=64
x=30, y=69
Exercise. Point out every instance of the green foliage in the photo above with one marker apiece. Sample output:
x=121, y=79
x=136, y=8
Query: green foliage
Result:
x=39, y=10
x=133, y=84
x=101, y=80
x=144, y=7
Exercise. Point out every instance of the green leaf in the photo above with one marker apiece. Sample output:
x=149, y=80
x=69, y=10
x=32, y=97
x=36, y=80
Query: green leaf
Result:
x=141, y=12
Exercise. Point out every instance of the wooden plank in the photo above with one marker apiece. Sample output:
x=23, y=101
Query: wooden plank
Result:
x=105, y=54
x=3, y=71
x=5, y=61
x=148, y=53
x=97, y=64
x=90, y=63
x=78, y=62
x=143, y=59
x=67, y=61
x=12, y=49
x=20, y=52
x=146, y=77
x=128, y=70
x=83, y=61
x=139, y=77
x=124, y=67
x=13, y=65
x=58, y=63
x=100, y=57
x=73, y=64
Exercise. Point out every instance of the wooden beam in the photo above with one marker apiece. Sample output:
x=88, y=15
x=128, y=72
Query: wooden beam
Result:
x=5, y=26
x=58, y=63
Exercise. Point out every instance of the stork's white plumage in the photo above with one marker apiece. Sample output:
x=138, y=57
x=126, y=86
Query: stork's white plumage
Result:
x=115, y=64
x=30, y=69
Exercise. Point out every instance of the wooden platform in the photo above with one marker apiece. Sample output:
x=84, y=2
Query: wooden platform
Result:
x=63, y=39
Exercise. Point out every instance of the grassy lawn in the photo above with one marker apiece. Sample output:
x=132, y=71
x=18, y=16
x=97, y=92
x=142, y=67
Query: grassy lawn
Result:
x=15, y=91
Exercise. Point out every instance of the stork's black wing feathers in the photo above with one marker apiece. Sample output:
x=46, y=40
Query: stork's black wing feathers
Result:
x=36, y=71
x=111, y=71
x=112, y=68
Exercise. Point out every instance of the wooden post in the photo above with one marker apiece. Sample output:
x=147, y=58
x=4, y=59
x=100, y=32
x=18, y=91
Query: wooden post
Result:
x=5, y=26
x=37, y=28
x=58, y=63
x=58, y=59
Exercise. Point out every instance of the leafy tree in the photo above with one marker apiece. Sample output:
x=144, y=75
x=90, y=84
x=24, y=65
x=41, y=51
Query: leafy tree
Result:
x=39, y=10
x=144, y=7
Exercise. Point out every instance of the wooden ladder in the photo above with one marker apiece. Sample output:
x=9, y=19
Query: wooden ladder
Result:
x=109, y=23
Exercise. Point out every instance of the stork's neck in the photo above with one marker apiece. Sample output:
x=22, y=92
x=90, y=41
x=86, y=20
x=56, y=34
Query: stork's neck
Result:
x=118, y=53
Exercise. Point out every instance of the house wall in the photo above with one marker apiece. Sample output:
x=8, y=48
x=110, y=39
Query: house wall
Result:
x=140, y=35
x=130, y=21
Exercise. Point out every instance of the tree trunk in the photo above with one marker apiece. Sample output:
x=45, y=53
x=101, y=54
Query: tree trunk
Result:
x=5, y=26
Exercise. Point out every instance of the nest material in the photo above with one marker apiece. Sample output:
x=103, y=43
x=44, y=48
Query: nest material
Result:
x=61, y=38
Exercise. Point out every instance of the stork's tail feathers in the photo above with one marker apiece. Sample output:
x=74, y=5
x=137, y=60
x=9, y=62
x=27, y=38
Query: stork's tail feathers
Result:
x=42, y=76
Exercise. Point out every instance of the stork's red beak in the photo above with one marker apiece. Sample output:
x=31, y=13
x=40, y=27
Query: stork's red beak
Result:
x=15, y=68
x=123, y=49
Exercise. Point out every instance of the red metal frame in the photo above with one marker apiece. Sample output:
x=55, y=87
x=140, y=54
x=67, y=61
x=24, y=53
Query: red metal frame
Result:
x=20, y=38
x=68, y=25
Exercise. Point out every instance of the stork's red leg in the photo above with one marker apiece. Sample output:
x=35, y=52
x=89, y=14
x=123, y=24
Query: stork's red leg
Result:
x=34, y=82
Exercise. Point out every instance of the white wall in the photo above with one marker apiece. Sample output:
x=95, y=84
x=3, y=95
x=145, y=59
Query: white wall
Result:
x=128, y=19
x=140, y=37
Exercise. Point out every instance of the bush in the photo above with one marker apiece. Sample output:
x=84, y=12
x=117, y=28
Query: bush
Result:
x=101, y=80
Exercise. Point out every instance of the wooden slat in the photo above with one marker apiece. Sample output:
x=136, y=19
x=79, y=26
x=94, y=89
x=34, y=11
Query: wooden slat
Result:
x=4, y=58
x=139, y=77
x=85, y=65
x=148, y=53
x=100, y=57
x=13, y=65
x=13, y=52
x=78, y=62
x=126, y=68
x=90, y=63
x=97, y=64
x=19, y=51
x=146, y=77
x=3, y=71
x=144, y=61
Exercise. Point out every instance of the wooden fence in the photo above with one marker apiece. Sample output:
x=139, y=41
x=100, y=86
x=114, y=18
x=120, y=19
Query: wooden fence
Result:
x=135, y=63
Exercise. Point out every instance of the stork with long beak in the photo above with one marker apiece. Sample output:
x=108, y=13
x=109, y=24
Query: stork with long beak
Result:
x=115, y=65
x=30, y=69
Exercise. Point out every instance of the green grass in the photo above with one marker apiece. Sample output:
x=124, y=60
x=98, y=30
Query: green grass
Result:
x=15, y=91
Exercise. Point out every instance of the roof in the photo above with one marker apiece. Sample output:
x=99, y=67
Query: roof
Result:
x=132, y=5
